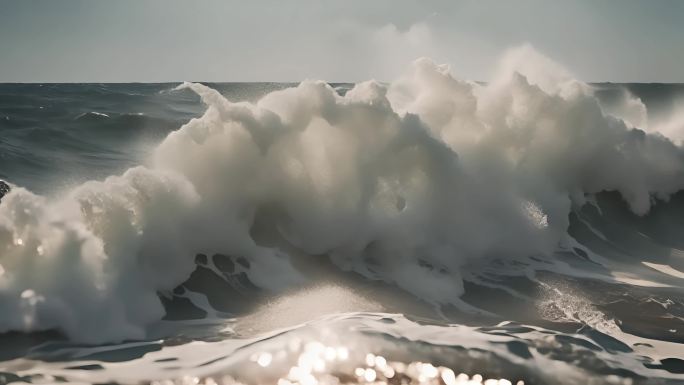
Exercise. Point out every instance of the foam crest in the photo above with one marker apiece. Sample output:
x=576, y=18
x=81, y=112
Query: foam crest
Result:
x=91, y=263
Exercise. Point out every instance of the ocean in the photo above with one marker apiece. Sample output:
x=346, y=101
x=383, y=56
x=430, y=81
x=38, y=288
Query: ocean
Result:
x=428, y=230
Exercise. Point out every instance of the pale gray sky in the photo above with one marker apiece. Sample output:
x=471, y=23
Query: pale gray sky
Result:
x=345, y=40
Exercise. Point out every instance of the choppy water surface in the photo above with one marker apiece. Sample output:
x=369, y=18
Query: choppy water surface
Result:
x=429, y=230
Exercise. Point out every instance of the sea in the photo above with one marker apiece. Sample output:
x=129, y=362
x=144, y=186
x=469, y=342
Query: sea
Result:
x=429, y=230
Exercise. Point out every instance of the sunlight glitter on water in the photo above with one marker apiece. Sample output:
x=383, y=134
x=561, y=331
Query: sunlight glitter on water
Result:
x=318, y=364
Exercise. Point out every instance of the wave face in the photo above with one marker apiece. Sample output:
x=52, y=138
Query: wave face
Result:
x=533, y=198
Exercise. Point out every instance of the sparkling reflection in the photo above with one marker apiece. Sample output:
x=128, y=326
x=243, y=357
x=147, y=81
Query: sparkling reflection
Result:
x=318, y=364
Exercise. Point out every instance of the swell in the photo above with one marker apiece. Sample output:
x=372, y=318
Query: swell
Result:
x=418, y=184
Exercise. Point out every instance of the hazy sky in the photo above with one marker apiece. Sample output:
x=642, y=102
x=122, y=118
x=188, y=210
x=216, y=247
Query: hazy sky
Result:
x=345, y=40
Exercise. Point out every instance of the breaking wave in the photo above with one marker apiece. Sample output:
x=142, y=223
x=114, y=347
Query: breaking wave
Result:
x=407, y=183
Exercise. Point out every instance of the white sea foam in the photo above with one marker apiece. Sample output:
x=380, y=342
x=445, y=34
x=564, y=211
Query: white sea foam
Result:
x=404, y=182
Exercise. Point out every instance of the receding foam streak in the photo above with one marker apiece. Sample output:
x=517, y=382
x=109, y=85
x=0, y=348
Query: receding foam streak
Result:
x=665, y=269
x=404, y=183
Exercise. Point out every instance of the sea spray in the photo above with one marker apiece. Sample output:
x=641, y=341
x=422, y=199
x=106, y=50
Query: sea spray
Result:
x=403, y=182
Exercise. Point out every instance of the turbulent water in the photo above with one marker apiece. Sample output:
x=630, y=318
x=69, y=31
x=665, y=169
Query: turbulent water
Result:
x=426, y=230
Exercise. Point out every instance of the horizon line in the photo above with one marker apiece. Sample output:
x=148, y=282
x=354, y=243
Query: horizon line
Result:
x=288, y=82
